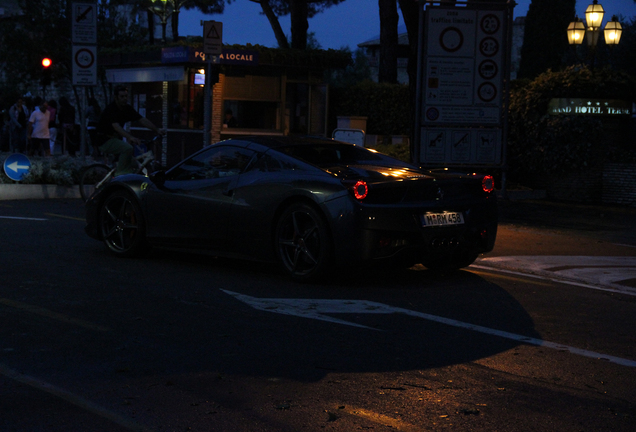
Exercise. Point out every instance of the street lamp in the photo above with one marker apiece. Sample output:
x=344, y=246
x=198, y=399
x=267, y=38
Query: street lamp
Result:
x=613, y=31
x=576, y=32
x=594, y=18
x=163, y=13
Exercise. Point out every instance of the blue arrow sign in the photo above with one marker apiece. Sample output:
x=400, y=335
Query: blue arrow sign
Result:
x=17, y=166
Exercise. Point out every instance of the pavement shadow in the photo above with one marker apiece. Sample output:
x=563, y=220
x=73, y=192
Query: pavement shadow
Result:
x=239, y=339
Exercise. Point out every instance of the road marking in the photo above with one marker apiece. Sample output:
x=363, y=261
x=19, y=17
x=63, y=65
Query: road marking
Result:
x=22, y=218
x=72, y=398
x=494, y=273
x=316, y=308
x=65, y=217
x=37, y=310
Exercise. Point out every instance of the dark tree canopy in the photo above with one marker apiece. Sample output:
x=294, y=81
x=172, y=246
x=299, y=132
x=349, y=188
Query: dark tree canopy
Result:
x=389, y=19
x=300, y=11
x=545, y=40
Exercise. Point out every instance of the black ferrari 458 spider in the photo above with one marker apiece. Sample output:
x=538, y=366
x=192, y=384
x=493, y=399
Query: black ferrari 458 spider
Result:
x=309, y=204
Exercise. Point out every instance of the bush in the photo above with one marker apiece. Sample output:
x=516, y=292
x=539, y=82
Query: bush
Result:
x=398, y=151
x=386, y=106
x=562, y=144
x=59, y=170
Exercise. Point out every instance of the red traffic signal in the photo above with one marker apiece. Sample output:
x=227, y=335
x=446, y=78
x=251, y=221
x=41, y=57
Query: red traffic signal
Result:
x=46, y=62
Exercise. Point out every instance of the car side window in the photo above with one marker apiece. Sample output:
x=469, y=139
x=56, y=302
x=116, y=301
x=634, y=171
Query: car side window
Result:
x=217, y=162
x=269, y=163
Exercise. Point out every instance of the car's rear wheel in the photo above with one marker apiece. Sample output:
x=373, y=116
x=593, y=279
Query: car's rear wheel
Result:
x=302, y=242
x=122, y=224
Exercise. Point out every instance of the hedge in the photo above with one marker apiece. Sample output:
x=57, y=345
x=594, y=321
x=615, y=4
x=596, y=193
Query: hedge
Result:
x=542, y=143
x=386, y=106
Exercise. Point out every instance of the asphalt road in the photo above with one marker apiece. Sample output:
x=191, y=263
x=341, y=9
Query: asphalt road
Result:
x=91, y=342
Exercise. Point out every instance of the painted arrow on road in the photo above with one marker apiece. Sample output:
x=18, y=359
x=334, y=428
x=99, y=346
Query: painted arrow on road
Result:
x=319, y=308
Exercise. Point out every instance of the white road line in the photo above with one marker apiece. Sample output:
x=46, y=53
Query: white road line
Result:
x=316, y=308
x=22, y=218
x=72, y=398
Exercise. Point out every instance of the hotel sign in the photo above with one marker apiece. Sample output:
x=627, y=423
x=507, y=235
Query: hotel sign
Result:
x=589, y=107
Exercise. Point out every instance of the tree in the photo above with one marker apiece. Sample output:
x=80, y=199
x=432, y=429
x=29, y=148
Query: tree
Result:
x=300, y=11
x=268, y=11
x=169, y=11
x=389, y=19
x=544, y=41
x=410, y=15
x=44, y=30
x=205, y=6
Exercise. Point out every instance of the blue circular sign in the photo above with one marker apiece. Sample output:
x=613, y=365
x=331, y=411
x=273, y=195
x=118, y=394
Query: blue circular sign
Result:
x=17, y=166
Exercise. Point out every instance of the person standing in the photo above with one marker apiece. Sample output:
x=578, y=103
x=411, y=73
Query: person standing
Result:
x=18, y=116
x=38, y=129
x=52, y=124
x=66, y=118
x=92, y=119
x=110, y=130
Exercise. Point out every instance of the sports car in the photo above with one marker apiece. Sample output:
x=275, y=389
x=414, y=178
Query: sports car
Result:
x=308, y=204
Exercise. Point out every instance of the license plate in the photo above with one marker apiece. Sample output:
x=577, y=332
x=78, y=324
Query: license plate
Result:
x=442, y=219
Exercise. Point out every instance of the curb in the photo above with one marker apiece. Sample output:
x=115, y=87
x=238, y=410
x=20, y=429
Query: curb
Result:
x=37, y=191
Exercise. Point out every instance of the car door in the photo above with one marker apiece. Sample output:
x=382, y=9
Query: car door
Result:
x=191, y=209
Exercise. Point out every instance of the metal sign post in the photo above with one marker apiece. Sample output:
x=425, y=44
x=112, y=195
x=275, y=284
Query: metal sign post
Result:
x=84, y=61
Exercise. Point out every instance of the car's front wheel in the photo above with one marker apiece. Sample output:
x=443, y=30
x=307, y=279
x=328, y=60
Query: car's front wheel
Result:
x=122, y=224
x=302, y=242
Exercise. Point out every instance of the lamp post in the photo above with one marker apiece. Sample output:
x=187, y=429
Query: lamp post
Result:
x=594, y=18
x=163, y=13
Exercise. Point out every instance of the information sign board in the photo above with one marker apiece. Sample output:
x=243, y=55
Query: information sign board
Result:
x=462, y=85
x=84, y=23
x=464, y=78
x=212, y=37
x=352, y=136
x=84, y=65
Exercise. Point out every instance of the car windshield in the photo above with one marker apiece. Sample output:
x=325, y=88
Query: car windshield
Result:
x=337, y=154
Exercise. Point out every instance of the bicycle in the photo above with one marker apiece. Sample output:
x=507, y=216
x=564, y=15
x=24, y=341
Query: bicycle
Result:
x=98, y=174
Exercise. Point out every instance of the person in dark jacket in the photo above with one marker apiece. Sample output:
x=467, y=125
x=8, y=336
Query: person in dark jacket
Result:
x=110, y=130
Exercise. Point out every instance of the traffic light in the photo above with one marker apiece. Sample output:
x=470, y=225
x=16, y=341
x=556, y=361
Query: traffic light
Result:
x=46, y=72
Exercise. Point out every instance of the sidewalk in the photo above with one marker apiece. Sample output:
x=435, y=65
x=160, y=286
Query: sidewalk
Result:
x=612, y=222
x=37, y=191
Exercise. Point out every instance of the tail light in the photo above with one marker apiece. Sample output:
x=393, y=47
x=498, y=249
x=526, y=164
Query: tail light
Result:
x=488, y=184
x=359, y=189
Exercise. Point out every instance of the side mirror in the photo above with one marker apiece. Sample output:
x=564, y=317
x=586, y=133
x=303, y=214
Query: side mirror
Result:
x=158, y=178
